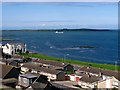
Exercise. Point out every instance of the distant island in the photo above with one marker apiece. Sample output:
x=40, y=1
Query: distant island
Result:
x=64, y=29
x=86, y=47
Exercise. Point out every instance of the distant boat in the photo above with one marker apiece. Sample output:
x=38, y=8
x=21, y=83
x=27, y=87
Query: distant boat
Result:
x=59, y=32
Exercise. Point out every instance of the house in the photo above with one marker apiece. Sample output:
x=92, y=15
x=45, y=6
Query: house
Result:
x=4, y=55
x=110, y=78
x=25, y=80
x=15, y=62
x=52, y=74
x=13, y=48
x=9, y=75
x=56, y=64
x=88, y=81
x=108, y=83
x=74, y=77
x=32, y=81
x=99, y=72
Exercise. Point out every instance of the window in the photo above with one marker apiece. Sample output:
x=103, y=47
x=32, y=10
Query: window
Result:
x=115, y=83
x=25, y=80
x=30, y=81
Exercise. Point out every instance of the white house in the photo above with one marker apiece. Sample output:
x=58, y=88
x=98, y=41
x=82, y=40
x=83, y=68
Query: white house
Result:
x=13, y=48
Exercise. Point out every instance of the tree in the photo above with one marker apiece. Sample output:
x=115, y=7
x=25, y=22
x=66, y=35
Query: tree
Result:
x=27, y=59
x=27, y=52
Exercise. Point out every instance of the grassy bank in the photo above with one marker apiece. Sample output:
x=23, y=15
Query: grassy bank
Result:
x=2, y=39
x=45, y=57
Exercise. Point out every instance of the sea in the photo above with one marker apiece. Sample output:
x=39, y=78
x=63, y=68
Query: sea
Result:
x=67, y=45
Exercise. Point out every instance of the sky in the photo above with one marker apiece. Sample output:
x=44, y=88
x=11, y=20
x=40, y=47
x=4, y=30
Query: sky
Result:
x=60, y=0
x=39, y=15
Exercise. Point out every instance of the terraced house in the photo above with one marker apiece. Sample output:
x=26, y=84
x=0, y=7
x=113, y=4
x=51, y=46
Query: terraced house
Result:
x=52, y=74
x=99, y=78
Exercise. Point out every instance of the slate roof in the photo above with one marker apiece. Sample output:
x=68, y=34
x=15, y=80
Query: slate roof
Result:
x=53, y=63
x=8, y=71
x=38, y=85
x=10, y=80
x=90, y=79
x=29, y=75
x=4, y=70
x=94, y=70
x=41, y=69
x=16, y=42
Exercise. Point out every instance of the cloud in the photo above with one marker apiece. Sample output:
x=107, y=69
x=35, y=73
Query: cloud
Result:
x=49, y=21
x=43, y=25
x=60, y=1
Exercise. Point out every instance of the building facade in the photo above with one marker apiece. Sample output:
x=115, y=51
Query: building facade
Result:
x=13, y=48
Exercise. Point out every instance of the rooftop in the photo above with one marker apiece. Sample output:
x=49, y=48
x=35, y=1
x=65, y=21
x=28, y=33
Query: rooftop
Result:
x=28, y=75
x=41, y=69
x=4, y=70
x=102, y=71
x=90, y=79
x=49, y=62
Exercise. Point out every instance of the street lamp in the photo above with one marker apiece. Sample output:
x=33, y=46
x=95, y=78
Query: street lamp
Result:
x=65, y=57
x=115, y=65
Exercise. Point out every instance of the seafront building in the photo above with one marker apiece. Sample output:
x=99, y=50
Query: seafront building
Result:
x=13, y=48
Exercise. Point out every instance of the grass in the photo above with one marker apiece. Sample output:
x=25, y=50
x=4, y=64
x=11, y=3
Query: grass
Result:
x=81, y=63
x=1, y=39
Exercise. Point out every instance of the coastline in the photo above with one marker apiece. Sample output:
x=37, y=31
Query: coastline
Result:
x=53, y=30
x=75, y=62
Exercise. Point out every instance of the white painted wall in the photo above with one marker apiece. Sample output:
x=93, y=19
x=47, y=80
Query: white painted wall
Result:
x=10, y=48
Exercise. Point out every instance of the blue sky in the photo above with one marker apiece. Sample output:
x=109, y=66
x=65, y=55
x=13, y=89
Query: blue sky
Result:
x=59, y=15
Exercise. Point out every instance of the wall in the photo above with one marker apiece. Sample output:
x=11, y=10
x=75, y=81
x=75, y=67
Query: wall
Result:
x=86, y=85
x=61, y=76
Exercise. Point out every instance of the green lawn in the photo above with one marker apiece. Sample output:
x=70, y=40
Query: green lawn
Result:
x=45, y=57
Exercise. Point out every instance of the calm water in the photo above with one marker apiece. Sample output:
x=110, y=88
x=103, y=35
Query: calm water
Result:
x=61, y=45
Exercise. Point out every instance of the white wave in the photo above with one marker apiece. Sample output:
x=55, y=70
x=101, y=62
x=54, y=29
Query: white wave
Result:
x=33, y=46
x=50, y=45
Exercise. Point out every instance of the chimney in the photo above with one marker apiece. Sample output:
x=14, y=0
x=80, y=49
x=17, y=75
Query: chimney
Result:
x=88, y=67
x=89, y=75
x=100, y=73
